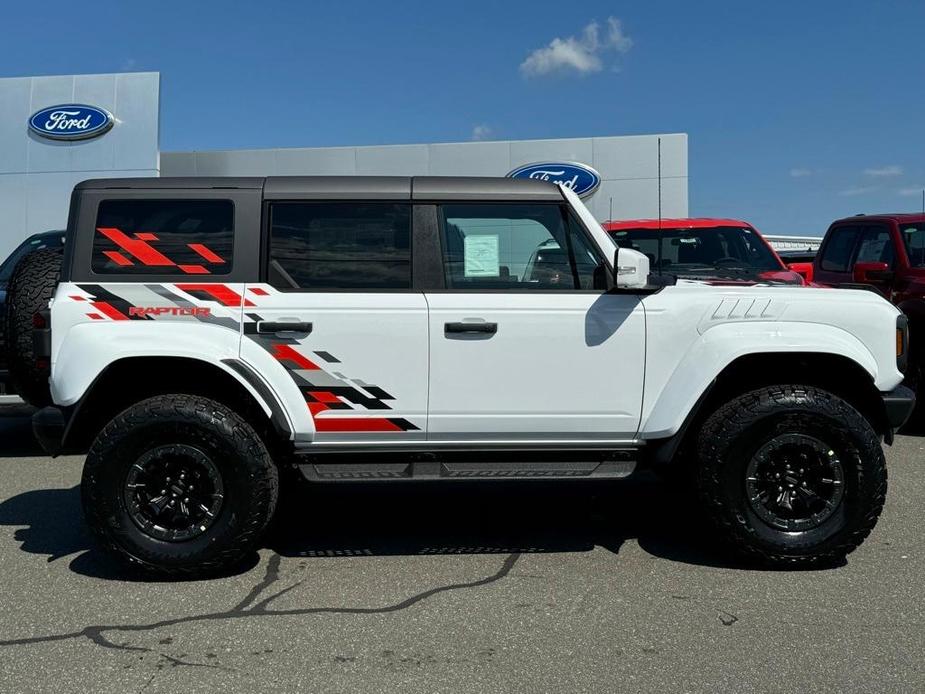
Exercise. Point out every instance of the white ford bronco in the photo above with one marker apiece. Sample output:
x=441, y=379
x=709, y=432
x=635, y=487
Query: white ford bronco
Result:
x=207, y=337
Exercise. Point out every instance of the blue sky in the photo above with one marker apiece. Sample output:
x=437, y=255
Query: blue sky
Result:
x=798, y=112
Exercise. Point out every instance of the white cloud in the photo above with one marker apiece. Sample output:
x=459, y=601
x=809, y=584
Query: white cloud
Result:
x=481, y=132
x=128, y=65
x=581, y=54
x=880, y=172
x=857, y=190
x=911, y=190
x=800, y=173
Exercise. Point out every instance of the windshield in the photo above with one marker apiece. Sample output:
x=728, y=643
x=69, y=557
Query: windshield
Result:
x=914, y=238
x=709, y=251
x=33, y=243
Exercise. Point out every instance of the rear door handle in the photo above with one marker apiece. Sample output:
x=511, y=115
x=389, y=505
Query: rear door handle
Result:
x=456, y=328
x=268, y=326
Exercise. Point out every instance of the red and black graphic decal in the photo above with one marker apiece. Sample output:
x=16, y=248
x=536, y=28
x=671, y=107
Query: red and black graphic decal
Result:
x=147, y=302
x=141, y=248
x=324, y=391
x=109, y=305
x=221, y=293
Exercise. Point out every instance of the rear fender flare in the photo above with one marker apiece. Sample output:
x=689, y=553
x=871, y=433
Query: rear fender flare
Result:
x=89, y=349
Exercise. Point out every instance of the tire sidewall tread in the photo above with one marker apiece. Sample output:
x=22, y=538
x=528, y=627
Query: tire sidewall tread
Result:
x=735, y=428
x=30, y=289
x=248, y=471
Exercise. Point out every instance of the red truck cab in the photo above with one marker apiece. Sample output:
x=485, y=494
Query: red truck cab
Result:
x=716, y=250
x=886, y=253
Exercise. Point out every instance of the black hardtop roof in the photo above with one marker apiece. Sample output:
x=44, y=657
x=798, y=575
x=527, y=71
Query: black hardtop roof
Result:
x=349, y=187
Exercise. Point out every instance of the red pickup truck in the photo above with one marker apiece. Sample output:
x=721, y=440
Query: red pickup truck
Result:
x=886, y=253
x=719, y=251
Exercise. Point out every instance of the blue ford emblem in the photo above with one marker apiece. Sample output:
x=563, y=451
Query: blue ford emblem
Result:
x=70, y=122
x=581, y=179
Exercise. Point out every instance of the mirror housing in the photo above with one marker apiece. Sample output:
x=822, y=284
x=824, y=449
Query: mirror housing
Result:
x=630, y=269
x=865, y=273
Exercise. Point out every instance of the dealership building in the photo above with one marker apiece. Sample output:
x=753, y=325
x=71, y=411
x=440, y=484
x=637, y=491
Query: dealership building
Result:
x=57, y=131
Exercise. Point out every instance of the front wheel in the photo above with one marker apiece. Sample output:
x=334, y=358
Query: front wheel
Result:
x=792, y=475
x=179, y=484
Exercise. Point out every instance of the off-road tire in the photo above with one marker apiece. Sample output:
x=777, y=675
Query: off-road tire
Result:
x=30, y=289
x=249, y=476
x=736, y=431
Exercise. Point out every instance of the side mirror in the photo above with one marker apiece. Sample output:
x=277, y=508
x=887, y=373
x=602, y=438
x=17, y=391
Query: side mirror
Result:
x=805, y=270
x=865, y=273
x=630, y=269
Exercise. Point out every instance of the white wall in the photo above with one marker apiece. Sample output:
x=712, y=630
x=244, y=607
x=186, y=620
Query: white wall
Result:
x=37, y=175
x=628, y=166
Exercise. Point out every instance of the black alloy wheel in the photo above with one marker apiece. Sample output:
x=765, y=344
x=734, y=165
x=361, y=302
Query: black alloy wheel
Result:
x=795, y=482
x=174, y=492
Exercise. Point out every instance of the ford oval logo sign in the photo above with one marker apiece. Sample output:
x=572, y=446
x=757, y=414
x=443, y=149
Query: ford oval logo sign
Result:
x=581, y=179
x=70, y=122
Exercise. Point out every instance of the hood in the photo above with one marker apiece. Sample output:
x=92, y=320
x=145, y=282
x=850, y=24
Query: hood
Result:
x=747, y=279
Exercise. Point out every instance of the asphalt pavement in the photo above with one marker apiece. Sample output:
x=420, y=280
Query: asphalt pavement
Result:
x=492, y=587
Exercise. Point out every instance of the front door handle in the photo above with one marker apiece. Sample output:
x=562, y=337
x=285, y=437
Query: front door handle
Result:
x=268, y=326
x=457, y=328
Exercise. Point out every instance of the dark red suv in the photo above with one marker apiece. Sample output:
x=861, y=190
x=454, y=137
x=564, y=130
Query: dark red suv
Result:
x=884, y=252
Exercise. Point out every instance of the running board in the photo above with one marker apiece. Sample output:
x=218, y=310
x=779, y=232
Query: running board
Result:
x=331, y=468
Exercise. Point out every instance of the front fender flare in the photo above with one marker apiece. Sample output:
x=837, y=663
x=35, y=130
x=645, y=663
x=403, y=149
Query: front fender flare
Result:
x=721, y=346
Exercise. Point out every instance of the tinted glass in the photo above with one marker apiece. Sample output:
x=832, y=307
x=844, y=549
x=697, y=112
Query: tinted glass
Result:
x=510, y=246
x=33, y=243
x=876, y=247
x=351, y=245
x=836, y=256
x=164, y=237
x=705, y=251
x=913, y=236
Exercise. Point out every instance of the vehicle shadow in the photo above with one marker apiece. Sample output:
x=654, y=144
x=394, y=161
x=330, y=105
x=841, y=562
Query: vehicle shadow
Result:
x=423, y=519
x=915, y=426
x=382, y=519
x=16, y=439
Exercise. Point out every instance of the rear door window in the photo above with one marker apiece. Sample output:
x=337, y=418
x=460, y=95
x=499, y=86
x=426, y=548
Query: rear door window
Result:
x=836, y=255
x=340, y=246
x=876, y=246
x=164, y=237
x=913, y=236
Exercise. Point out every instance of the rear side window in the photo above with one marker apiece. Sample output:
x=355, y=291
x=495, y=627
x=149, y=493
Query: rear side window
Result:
x=331, y=246
x=164, y=237
x=836, y=256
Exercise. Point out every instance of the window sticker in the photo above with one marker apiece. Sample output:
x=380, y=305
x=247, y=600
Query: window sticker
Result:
x=482, y=256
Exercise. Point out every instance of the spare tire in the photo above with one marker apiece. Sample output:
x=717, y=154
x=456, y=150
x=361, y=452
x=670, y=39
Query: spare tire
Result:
x=30, y=289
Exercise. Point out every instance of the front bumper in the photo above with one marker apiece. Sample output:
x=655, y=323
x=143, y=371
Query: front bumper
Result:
x=898, y=404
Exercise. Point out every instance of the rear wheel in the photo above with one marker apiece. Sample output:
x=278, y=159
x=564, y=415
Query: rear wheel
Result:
x=30, y=289
x=792, y=475
x=179, y=484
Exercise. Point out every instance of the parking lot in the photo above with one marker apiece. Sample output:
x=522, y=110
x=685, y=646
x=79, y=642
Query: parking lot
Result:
x=504, y=587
